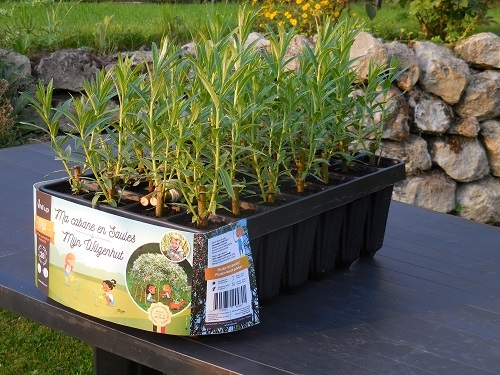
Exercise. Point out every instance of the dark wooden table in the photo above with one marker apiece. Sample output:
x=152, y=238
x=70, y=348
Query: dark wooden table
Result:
x=427, y=303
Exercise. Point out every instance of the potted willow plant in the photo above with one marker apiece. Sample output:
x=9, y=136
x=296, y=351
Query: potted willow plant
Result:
x=196, y=138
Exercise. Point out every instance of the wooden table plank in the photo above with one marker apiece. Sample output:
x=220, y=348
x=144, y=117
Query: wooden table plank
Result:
x=427, y=303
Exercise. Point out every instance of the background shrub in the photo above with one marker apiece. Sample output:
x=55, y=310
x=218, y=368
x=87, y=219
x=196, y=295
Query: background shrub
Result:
x=304, y=15
x=447, y=20
x=11, y=103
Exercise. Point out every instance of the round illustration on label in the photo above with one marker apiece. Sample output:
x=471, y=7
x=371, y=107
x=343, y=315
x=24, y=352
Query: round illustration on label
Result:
x=174, y=246
x=152, y=278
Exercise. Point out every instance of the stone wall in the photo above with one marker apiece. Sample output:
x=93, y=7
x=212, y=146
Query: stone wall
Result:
x=444, y=122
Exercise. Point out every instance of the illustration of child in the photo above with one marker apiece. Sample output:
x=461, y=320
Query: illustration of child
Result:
x=107, y=287
x=150, y=292
x=174, y=251
x=239, y=235
x=69, y=263
x=167, y=292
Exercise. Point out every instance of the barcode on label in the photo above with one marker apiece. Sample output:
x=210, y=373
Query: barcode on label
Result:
x=230, y=298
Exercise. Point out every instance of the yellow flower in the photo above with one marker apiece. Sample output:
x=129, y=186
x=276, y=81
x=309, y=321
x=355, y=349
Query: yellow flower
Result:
x=317, y=7
x=293, y=21
x=299, y=2
x=288, y=14
x=336, y=14
x=306, y=6
x=304, y=15
x=281, y=23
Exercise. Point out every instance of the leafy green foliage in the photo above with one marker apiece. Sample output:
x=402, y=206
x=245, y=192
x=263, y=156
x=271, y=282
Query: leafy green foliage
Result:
x=11, y=103
x=8, y=134
x=304, y=15
x=231, y=116
x=24, y=31
x=446, y=20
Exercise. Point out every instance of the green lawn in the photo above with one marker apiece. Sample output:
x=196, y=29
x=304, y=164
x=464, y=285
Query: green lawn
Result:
x=106, y=27
x=101, y=26
x=29, y=348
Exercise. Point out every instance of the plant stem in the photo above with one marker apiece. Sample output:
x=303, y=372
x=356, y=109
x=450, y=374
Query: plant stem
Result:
x=345, y=149
x=235, y=202
x=271, y=195
x=202, y=207
x=112, y=188
x=373, y=149
x=160, y=201
x=324, y=168
x=300, y=171
x=77, y=174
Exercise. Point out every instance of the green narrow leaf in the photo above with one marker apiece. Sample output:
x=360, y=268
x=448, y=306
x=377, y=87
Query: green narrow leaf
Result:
x=371, y=11
x=226, y=181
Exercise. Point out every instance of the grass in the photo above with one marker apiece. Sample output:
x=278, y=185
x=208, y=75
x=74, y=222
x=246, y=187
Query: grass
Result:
x=101, y=26
x=29, y=348
x=106, y=27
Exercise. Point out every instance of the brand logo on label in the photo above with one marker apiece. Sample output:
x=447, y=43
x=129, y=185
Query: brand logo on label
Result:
x=42, y=207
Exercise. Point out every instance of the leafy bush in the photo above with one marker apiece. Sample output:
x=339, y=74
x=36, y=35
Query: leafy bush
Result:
x=11, y=103
x=304, y=15
x=7, y=130
x=446, y=20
